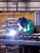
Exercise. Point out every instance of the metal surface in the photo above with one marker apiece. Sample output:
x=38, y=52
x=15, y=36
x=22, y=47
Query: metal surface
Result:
x=20, y=42
x=30, y=40
x=29, y=4
x=19, y=6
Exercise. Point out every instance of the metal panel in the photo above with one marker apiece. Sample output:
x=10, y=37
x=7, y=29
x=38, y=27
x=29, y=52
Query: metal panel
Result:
x=19, y=6
x=11, y=6
x=28, y=4
x=3, y=4
x=28, y=9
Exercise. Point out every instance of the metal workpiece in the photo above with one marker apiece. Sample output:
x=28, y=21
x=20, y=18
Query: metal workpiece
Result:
x=35, y=40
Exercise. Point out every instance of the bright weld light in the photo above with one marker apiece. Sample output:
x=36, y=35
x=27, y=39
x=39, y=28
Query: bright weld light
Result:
x=28, y=27
x=20, y=27
x=24, y=29
x=12, y=33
